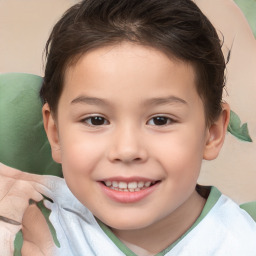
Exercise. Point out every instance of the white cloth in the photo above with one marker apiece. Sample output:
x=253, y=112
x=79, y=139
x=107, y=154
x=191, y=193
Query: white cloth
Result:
x=225, y=230
x=77, y=230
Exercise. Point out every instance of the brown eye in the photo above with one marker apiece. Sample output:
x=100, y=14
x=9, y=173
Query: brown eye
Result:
x=95, y=121
x=160, y=121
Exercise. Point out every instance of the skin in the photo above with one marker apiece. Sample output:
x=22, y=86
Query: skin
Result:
x=17, y=188
x=130, y=143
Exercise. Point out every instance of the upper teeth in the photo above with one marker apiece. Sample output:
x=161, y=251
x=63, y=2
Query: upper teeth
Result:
x=129, y=186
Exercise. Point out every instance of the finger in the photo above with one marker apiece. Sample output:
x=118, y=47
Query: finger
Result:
x=20, y=189
x=13, y=173
x=29, y=249
x=16, y=200
x=36, y=232
x=42, y=183
x=7, y=237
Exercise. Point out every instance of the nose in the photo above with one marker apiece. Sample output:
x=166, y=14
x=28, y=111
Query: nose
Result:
x=127, y=146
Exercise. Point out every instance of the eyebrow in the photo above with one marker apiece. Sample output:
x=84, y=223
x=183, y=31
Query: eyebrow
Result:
x=153, y=101
x=89, y=101
x=165, y=100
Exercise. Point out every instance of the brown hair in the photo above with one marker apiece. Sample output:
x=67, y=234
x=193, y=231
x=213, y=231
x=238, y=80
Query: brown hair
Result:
x=177, y=27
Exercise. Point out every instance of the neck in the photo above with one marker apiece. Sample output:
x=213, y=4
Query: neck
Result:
x=157, y=237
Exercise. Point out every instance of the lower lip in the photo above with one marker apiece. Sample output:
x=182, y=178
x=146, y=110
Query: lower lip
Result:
x=128, y=197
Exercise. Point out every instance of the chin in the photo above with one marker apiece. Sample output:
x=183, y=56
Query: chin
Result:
x=128, y=223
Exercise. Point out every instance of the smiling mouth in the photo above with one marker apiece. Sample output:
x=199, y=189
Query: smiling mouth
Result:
x=133, y=186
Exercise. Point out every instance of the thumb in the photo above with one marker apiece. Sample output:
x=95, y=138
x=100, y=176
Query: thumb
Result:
x=37, y=237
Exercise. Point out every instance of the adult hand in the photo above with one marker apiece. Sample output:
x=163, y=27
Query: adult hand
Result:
x=19, y=193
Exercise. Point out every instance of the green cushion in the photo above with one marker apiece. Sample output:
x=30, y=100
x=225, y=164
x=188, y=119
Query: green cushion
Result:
x=250, y=208
x=23, y=141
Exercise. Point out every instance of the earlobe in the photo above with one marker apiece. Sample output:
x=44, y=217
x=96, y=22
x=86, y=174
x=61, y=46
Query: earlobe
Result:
x=216, y=134
x=52, y=132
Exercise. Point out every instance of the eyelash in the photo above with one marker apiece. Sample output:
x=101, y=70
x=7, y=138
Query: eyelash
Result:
x=101, y=119
x=96, y=118
x=162, y=118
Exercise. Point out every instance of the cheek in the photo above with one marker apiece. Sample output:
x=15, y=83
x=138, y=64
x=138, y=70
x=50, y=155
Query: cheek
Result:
x=80, y=153
x=80, y=160
x=181, y=153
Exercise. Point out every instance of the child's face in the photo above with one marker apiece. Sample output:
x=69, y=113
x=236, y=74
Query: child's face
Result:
x=130, y=114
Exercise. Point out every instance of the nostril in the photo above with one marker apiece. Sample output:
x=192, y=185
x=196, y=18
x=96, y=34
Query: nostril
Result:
x=127, y=154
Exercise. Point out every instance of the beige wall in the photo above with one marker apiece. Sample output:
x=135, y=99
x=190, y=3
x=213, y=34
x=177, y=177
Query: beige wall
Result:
x=234, y=171
x=24, y=29
x=25, y=26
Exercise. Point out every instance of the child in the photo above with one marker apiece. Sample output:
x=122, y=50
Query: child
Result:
x=132, y=105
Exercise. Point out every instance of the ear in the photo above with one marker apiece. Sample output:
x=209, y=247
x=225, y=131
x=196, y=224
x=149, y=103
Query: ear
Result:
x=51, y=130
x=216, y=134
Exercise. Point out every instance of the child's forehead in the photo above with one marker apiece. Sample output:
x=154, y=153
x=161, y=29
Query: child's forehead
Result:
x=140, y=71
x=127, y=53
